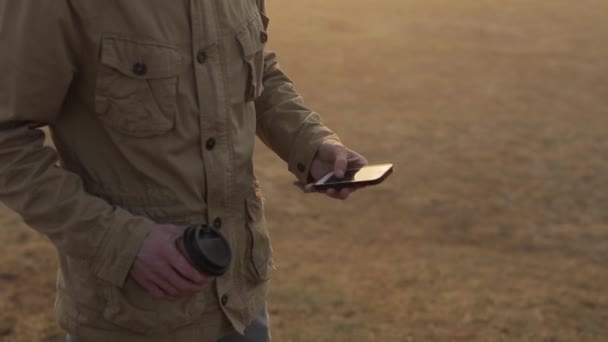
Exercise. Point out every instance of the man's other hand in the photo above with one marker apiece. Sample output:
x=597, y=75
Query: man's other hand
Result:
x=333, y=156
x=162, y=270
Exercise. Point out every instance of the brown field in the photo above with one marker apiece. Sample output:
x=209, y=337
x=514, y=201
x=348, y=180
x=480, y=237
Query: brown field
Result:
x=494, y=226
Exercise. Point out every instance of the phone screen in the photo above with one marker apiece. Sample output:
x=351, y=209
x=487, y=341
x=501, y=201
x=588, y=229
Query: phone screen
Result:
x=364, y=174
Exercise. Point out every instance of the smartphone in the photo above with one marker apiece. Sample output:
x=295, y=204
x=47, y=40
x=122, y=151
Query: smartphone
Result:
x=363, y=176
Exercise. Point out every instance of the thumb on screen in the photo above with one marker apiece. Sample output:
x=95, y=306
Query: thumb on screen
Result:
x=341, y=162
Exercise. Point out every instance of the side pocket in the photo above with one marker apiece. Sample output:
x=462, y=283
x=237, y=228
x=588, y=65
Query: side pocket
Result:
x=134, y=309
x=262, y=264
x=136, y=89
x=252, y=39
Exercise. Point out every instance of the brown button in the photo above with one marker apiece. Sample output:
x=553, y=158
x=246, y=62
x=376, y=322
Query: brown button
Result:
x=301, y=167
x=217, y=223
x=210, y=144
x=140, y=69
x=201, y=57
x=224, y=299
x=263, y=37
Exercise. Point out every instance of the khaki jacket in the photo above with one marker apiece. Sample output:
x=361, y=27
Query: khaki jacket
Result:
x=153, y=106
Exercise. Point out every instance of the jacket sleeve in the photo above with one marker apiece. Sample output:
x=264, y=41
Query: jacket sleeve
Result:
x=40, y=44
x=292, y=130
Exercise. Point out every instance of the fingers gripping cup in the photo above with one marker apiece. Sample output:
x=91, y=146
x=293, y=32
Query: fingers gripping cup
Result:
x=206, y=249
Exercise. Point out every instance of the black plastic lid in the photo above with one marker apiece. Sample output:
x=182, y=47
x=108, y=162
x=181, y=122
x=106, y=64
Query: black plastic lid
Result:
x=208, y=249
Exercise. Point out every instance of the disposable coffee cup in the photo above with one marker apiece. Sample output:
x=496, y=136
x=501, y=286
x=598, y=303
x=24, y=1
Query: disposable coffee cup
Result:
x=206, y=249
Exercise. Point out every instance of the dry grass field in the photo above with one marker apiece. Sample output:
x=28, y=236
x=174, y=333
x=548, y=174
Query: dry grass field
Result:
x=494, y=226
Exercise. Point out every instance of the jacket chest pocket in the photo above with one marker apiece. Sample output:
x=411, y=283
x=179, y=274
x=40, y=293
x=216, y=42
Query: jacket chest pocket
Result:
x=252, y=38
x=136, y=89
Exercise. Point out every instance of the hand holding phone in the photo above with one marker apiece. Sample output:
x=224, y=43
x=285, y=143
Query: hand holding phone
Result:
x=355, y=178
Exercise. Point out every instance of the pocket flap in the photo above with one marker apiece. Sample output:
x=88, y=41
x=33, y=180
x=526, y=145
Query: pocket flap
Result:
x=140, y=59
x=252, y=36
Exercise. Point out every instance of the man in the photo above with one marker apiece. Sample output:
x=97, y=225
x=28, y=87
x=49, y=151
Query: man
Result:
x=153, y=106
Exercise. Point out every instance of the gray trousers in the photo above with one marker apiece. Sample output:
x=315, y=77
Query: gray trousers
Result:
x=257, y=331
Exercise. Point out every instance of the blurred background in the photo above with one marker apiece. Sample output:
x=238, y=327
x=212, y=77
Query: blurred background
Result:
x=494, y=226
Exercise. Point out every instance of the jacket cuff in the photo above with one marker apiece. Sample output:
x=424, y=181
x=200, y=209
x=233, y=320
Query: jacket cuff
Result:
x=304, y=150
x=119, y=247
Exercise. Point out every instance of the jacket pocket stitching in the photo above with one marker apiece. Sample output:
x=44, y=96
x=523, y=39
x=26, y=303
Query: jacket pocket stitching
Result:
x=254, y=220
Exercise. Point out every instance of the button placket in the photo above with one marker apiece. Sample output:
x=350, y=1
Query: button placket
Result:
x=215, y=132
